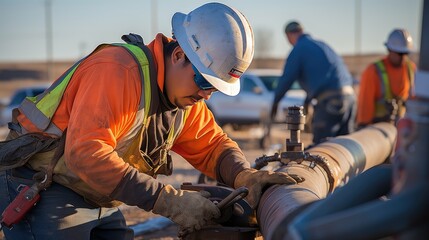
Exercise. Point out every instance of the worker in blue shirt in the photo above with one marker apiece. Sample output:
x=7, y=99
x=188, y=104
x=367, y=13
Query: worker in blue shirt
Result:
x=325, y=78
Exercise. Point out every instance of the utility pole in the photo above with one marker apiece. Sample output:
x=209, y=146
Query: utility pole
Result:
x=154, y=17
x=358, y=26
x=49, y=42
x=358, y=37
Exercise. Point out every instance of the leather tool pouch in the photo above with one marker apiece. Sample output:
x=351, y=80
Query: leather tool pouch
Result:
x=16, y=152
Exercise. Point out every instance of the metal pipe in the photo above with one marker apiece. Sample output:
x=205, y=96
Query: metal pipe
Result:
x=346, y=156
x=334, y=217
x=364, y=196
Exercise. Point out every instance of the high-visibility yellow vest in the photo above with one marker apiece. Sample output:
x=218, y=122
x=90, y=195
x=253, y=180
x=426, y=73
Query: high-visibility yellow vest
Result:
x=388, y=105
x=40, y=110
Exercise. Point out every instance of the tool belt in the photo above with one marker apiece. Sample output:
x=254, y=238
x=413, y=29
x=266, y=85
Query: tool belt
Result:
x=344, y=91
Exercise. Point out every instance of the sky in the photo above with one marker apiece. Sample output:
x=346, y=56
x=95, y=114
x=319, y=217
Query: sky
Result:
x=78, y=26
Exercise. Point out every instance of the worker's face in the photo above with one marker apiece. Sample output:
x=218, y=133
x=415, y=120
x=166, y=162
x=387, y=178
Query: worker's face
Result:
x=396, y=59
x=180, y=85
x=292, y=37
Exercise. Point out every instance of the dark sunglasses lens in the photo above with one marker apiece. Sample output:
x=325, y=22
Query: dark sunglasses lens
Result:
x=201, y=82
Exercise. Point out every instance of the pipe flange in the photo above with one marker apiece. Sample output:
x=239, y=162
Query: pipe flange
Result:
x=298, y=157
x=322, y=162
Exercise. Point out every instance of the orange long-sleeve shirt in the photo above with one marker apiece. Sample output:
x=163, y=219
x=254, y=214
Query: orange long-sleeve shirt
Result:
x=370, y=88
x=99, y=107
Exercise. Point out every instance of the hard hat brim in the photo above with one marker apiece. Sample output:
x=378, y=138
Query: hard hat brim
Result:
x=228, y=88
x=396, y=49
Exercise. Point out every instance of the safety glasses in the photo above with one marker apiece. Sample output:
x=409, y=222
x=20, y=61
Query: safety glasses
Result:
x=400, y=53
x=201, y=82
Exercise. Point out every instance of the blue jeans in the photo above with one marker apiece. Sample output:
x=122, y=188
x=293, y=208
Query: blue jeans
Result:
x=334, y=116
x=60, y=213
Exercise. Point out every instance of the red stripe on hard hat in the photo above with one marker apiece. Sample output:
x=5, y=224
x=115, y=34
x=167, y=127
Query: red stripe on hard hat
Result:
x=234, y=75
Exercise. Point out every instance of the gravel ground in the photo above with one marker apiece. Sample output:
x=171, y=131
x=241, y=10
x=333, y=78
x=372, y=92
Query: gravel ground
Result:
x=184, y=172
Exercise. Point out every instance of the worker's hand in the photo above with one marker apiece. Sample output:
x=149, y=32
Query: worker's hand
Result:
x=189, y=209
x=256, y=181
x=274, y=111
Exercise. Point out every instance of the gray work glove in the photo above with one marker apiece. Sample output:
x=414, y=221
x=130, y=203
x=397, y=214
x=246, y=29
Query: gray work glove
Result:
x=189, y=209
x=256, y=181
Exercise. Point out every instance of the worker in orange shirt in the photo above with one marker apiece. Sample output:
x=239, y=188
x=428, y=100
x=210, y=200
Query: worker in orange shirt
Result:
x=386, y=84
x=103, y=131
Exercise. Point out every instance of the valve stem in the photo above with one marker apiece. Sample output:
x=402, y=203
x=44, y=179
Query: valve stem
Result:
x=295, y=123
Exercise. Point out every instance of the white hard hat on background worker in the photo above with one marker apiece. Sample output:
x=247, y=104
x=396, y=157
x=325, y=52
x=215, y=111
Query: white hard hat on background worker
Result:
x=399, y=41
x=218, y=40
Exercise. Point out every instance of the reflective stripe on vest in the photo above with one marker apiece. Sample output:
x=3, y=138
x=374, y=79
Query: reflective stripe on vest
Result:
x=40, y=109
x=386, y=90
x=411, y=77
x=62, y=174
x=128, y=147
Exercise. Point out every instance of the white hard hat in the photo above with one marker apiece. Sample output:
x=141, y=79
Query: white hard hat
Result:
x=399, y=41
x=218, y=40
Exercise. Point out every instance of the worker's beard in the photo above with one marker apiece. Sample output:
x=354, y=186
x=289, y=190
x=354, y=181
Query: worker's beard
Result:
x=188, y=102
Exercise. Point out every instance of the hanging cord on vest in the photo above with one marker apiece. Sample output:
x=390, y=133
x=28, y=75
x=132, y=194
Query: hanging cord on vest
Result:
x=44, y=177
x=164, y=164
